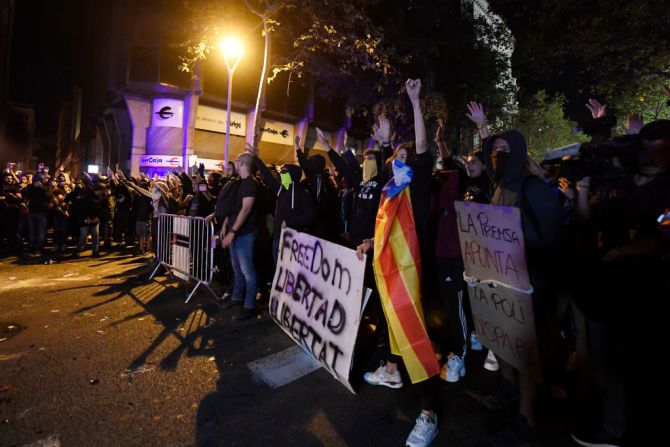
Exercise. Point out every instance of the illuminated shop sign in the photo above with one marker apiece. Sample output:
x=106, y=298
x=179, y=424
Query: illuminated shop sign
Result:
x=160, y=161
x=167, y=112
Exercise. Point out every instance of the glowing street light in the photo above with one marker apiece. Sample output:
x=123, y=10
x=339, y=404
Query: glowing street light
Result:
x=232, y=52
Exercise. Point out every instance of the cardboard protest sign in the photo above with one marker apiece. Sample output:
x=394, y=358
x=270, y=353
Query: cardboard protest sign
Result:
x=316, y=299
x=492, y=245
x=505, y=324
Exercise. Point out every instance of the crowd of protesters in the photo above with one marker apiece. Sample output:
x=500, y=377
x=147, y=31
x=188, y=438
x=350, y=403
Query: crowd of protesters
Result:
x=596, y=227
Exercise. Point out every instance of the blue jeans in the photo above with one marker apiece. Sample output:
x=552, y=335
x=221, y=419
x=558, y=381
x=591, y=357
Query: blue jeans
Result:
x=84, y=231
x=244, y=280
x=37, y=225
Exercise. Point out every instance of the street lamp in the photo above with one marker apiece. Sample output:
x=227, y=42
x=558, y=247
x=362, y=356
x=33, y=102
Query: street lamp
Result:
x=232, y=51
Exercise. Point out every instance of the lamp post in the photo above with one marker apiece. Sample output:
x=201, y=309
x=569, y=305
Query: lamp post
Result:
x=232, y=51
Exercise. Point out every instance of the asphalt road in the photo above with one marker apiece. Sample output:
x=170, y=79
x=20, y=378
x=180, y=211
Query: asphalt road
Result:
x=95, y=354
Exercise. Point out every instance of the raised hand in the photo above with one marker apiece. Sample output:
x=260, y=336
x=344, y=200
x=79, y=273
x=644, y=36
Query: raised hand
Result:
x=597, y=110
x=296, y=143
x=413, y=87
x=363, y=248
x=476, y=114
x=381, y=130
x=634, y=123
x=566, y=188
x=322, y=138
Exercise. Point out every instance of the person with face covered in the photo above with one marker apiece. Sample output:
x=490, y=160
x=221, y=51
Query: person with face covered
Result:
x=400, y=252
x=367, y=181
x=541, y=217
x=324, y=193
x=294, y=206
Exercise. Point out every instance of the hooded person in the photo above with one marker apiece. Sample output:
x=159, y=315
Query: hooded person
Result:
x=367, y=182
x=294, y=206
x=323, y=192
x=506, y=156
x=513, y=185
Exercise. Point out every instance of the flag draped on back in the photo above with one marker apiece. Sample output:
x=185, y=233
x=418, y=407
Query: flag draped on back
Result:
x=397, y=266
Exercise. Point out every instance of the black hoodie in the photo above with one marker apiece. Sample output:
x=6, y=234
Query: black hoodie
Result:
x=324, y=194
x=541, y=214
x=366, y=196
x=294, y=205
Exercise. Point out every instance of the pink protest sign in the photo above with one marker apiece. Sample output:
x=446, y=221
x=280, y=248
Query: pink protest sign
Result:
x=492, y=243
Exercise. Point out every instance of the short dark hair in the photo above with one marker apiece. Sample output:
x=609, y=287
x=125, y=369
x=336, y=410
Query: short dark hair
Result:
x=656, y=130
x=477, y=153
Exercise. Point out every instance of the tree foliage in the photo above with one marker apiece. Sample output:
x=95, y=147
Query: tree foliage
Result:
x=360, y=52
x=542, y=120
x=612, y=49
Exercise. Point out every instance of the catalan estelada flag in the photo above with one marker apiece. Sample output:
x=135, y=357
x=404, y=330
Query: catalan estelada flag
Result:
x=397, y=266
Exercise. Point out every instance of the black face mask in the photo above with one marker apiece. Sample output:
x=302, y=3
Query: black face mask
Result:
x=499, y=161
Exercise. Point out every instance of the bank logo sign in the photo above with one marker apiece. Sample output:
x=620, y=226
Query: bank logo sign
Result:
x=167, y=112
x=278, y=132
x=160, y=161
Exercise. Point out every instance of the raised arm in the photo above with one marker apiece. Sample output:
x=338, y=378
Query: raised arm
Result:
x=477, y=116
x=142, y=191
x=413, y=87
x=270, y=180
x=342, y=166
x=444, y=152
x=302, y=158
x=186, y=183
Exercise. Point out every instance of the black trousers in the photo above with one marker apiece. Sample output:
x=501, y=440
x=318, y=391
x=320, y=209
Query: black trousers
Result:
x=458, y=315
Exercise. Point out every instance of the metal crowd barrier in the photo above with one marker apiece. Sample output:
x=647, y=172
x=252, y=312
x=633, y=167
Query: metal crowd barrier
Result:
x=185, y=248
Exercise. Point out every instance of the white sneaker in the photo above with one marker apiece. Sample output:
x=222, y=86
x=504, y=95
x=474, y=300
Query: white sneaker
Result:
x=424, y=431
x=455, y=368
x=491, y=363
x=382, y=377
x=475, y=344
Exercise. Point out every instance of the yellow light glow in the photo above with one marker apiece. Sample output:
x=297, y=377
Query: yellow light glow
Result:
x=231, y=48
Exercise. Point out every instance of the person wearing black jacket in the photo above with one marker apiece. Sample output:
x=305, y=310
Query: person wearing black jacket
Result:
x=60, y=217
x=367, y=183
x=39, y=203
x=225, y=205
x=122, y=232
x=10, y=206
x=623, y=258
x=541, y=217
x=323, y=192
x=90, y=203
x=295, y=207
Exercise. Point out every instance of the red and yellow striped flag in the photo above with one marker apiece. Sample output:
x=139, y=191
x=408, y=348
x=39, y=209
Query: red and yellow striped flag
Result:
x=397, y=266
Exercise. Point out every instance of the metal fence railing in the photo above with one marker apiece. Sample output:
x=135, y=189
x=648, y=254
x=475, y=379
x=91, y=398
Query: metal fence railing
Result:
x=185, y=248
